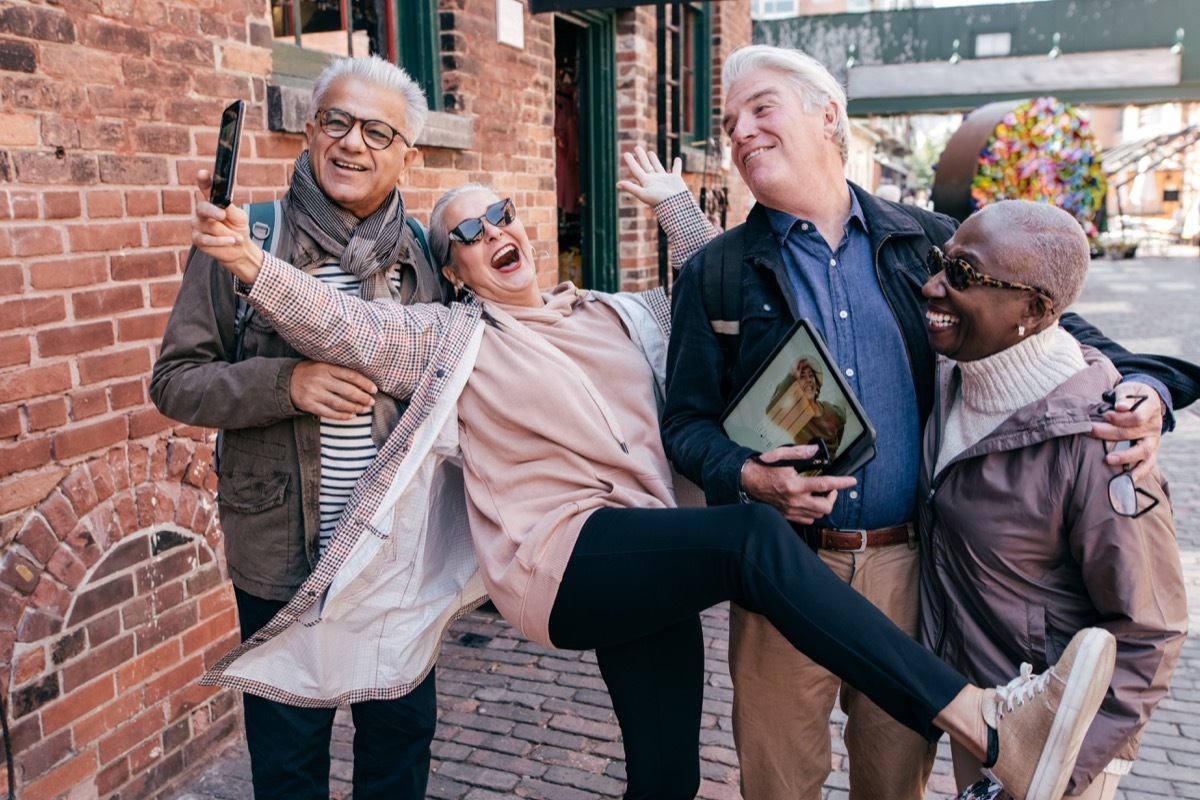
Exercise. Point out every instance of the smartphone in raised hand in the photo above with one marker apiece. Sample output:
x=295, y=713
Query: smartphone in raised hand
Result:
x=227, y=154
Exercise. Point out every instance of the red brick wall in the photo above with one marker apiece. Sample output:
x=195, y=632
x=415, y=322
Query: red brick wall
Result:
x=113, y=599
x=510, y=95
x=731, y=30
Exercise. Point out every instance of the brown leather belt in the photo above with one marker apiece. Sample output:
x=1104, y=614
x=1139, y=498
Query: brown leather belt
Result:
x=856, y=541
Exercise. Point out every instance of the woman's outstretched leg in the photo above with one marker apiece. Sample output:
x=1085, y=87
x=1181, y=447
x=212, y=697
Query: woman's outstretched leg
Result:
x=635, y=572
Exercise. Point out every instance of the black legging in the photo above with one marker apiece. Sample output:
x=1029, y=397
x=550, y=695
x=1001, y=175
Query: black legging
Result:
x=633, y=590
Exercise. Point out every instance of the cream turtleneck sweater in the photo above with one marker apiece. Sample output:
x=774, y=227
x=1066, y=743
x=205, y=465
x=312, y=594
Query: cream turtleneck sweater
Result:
x=992, y=388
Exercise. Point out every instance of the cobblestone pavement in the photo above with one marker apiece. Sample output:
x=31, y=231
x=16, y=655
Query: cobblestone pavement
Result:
x=521, y=720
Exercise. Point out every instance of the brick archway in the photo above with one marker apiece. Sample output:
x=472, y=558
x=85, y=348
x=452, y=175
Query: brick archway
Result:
x=113, y=602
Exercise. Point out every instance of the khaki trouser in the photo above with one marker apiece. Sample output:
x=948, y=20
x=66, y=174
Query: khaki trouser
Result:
x=967, y=770
x=782, y=701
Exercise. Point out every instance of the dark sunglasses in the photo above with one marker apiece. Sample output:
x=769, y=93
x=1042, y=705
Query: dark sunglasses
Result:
x=470, y=231
x=960, y=274
x=377, y=134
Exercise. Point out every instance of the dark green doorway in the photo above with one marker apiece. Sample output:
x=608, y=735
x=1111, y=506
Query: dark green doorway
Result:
x=585, y=132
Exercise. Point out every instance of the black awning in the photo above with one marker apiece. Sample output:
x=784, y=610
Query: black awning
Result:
x=542, y=6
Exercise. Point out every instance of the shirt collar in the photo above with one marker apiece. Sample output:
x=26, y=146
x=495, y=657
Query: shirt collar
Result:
x=783, y=222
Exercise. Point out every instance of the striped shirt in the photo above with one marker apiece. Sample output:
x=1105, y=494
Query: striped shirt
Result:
x=346, y=446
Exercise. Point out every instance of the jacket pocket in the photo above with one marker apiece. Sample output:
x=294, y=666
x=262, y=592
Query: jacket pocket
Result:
x=262, y=542
x=261, y=339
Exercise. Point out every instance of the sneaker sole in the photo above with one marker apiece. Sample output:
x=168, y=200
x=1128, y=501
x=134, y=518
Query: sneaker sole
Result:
x=1086, y=686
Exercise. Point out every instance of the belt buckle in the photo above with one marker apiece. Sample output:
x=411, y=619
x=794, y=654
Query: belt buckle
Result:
x=862, y=539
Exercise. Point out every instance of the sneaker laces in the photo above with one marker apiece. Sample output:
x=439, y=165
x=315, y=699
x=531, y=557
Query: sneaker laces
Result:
x=1021, y=688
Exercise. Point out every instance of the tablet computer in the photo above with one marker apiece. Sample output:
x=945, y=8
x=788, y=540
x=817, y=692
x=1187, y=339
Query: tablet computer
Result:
x=798, y=396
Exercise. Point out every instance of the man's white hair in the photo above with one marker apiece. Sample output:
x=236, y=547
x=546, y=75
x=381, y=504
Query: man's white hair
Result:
x=815, y=85
x=374, y=69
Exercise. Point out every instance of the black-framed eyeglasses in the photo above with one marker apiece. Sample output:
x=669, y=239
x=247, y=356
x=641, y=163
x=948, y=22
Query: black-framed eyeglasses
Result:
x=376, y=133
x=960, y=274
x=1124, y=495
x=470, y=231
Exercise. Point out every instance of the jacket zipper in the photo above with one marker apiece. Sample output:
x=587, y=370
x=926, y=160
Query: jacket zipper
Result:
x=935, y=418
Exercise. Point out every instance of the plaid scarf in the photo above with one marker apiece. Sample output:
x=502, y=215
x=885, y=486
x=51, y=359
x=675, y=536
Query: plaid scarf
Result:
x=365, y=248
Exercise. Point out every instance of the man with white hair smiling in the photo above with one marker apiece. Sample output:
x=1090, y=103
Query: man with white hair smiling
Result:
x=819, y=247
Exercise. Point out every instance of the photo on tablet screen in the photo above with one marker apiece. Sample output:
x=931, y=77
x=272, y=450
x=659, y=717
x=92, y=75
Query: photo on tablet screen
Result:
x=795, y=399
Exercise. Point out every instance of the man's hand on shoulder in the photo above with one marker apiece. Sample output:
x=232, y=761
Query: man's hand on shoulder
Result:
x=330, y=391
x=1136, y=416
x=800, y=499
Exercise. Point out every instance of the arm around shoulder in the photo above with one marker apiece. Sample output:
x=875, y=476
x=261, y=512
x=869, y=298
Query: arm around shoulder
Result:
x=1181, y=378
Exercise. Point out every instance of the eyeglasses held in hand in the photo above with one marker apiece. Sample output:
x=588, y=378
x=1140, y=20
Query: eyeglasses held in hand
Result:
x=815, y=463
x=376, y=133
x=1110, y=397
x=960, y=274
x=470, y=231
x=1124, y=495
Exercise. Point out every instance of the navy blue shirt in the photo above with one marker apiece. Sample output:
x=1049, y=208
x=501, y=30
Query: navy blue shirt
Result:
x=839, y=292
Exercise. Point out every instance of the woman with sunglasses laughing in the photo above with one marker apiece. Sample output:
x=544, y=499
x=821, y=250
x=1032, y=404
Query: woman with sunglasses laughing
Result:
x=1027, y=534
x=529, y=465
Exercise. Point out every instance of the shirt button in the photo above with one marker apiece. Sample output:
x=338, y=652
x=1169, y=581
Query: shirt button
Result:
x=853, y=495
x=833, y=262
x=843, y=314
x=849, y=373
x=766, y=306
x=803, y=226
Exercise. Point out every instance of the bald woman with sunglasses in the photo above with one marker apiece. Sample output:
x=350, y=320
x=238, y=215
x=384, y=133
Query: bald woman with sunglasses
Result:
x=1027, y=534
x=532, y=429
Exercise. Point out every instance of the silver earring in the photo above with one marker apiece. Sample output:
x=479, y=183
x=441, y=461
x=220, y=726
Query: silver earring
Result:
x=1021, y=330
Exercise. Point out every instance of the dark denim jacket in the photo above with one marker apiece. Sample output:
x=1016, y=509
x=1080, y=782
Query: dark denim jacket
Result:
x=697, y=390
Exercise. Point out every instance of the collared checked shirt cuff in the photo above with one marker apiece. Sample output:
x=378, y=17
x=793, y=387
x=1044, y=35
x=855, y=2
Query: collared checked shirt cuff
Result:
x=686, y=227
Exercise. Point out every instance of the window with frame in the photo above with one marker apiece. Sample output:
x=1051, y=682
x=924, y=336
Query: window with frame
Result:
x=337, y=27
x=308, y=32
x=774, y=9
x=695, y=74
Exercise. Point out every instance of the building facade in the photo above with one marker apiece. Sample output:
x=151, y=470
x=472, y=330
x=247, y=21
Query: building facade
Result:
x=113, y=592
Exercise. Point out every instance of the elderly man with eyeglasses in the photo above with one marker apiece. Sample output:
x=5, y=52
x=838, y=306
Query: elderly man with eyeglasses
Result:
x=297, y=434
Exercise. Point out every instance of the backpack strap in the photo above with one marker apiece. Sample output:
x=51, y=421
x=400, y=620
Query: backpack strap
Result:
x=419, y=232
x=721, y=289
x=265, y=221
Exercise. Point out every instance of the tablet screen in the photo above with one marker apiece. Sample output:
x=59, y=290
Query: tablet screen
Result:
x=797, y=396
